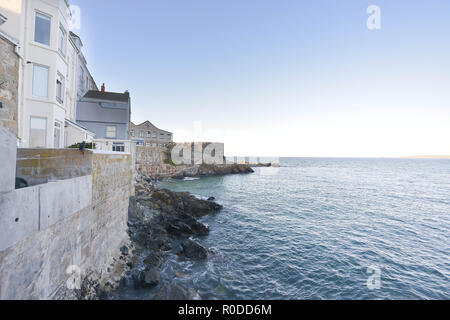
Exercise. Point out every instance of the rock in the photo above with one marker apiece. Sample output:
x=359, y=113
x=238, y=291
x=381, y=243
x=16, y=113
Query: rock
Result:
x=183, y=202
x=124, y=250
x=211, y=199
x=155, y=259
x=204, y=170
x=185, y=225
x=179, y=274
x=172, y=292
x=193, y=250
x=151, y=278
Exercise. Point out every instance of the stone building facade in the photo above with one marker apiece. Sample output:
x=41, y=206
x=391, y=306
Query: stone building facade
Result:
x=147, y=134
x=9, y=84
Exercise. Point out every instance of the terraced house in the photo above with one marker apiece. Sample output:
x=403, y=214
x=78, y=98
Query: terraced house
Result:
x=47, y=69
x=147, y=134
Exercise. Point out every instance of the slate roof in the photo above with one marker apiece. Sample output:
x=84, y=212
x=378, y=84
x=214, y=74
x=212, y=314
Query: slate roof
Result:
x=109, y=96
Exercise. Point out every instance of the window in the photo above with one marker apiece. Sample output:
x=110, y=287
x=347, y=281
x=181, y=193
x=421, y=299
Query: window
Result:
x=62, y=40
x=42, y=29
x=154, y=134
x=57, y=135
x=111, y=131
x=38, y=129
x=118, y=148
x=132, y=132
x=40, y=81
x=81, y=77
x=149, y=134
x=59, y=88
x=148, y=144
x=141, y=134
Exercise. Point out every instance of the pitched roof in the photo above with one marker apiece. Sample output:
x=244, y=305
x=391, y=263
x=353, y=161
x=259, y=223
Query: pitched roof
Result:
x=109, y=96
x=149, y=123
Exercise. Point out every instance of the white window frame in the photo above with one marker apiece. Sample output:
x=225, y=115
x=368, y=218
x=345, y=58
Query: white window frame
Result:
x=60, y=79
x=62, y=40
x=44, y=15
x=108, y=132
x=57, y=126
x=34, y=79
x=45, y=131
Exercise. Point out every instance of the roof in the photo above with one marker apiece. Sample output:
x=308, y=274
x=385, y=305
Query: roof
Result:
x=108, y=96
x=74, y=124
x=149, y=123
x=74, y=35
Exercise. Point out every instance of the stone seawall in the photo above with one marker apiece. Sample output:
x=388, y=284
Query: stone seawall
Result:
x=38, y=166
x=9, y=86
x=60, y=235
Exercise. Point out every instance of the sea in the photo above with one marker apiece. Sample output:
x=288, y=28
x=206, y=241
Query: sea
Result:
x=322, y=228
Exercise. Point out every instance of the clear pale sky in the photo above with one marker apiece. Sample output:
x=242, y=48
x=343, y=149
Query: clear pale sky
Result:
x=280, y=77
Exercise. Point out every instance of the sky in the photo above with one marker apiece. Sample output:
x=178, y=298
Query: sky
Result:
x=300, y=78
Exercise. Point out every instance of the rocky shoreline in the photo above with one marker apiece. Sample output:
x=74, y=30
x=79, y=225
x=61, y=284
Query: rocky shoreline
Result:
x=206, y=170
x=160, y=222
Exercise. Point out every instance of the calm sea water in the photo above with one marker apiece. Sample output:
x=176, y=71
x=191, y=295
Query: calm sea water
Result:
x=311, y=228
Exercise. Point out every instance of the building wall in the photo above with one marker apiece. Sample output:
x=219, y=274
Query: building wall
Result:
x=20, y=25
x=85, y=81
x=162, y=137
x=97, y=115
x=79, y=222
x=99, y=128
x=9, y=86
x=75, y=135
x=12, y=9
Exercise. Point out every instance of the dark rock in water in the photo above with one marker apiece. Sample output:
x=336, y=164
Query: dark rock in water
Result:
x=159, y=242
x=172, y=292
x=184, y=224
x=124, y=250
x=178, y=176
x=155, y=259
x=21, y=183
x=211, y=199
x=193, y=250
x=151, y=278
x=183, y=202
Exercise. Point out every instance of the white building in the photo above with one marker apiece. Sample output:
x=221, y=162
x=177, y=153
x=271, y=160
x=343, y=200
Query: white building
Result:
x=48, y=70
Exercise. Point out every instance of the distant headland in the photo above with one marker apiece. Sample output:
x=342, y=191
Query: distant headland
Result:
x=426, y=157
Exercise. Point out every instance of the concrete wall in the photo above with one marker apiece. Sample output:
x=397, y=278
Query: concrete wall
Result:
x=7, y=160
x=39, y=166
x=9, y=86
x=47, y=228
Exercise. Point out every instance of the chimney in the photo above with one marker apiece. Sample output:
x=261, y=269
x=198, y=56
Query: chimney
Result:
x=103, y=87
